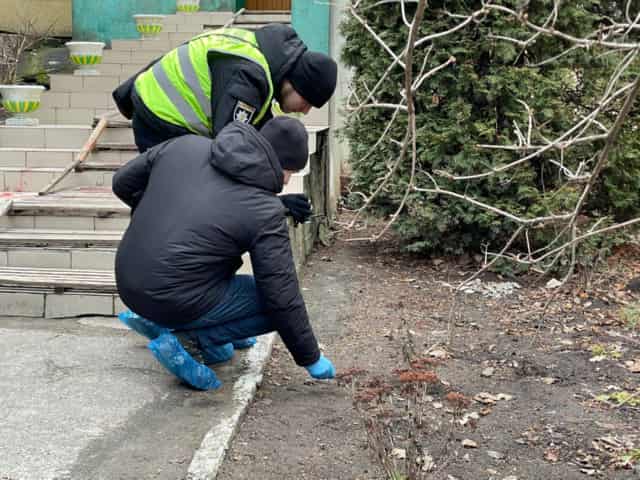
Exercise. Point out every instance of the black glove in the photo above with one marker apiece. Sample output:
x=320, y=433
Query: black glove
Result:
x=298, y=206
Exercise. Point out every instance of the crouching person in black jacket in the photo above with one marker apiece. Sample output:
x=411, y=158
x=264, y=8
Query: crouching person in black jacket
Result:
x=197, y=206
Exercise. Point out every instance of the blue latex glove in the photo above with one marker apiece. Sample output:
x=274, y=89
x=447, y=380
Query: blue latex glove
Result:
x=322, y=368
x=170, y=353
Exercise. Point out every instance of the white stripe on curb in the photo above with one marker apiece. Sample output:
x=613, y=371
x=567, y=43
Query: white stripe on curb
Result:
x=210, y=455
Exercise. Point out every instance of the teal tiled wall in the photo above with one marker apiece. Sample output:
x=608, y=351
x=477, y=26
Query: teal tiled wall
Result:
x=310, y=18
x=102, y=20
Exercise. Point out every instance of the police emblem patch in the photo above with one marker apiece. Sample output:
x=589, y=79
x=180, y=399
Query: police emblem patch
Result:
x=243, y=112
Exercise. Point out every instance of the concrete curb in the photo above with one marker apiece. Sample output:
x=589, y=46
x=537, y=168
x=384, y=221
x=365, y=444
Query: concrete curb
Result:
x=209, y=456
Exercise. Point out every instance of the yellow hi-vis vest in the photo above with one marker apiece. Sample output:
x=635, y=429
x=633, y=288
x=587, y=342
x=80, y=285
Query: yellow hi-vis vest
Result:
x=177, y=89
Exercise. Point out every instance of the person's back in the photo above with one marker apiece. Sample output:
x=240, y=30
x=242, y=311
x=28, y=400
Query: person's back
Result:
x=198, y=205
x=200, y=212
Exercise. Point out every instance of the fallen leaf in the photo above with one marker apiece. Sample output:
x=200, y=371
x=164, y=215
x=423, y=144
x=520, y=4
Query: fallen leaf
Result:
x=505, y=396
x=399, y=453
x=495, y=455
x=427, y=463
x=486, y=398
x=633, y=366
x=487, y=372
x=552, y=455
x=469, y=416
x=553, y=283
x=588, y=471
x=438, y=353
x=467, y=443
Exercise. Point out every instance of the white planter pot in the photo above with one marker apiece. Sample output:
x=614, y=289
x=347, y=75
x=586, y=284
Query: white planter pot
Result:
x=149, y=26
x=86, y=55
x=20, y=100
x=187, y=6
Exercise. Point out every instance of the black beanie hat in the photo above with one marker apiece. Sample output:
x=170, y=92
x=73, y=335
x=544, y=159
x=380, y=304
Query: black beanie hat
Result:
x=314, y=77
x=289, y=139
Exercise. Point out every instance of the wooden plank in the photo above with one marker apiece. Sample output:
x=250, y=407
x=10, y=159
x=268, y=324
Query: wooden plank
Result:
x=81, y=280
x=103, y=206
x=40, y=238
x=86, y=150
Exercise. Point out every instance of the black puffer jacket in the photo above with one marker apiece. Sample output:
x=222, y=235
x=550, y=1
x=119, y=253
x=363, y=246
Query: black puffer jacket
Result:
x=199, y=204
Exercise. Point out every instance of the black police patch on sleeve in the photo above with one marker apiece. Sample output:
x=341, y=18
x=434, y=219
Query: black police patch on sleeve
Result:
x=243, y=112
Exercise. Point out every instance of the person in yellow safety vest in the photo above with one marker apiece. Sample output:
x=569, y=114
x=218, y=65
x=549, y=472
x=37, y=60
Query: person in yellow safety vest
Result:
x=225, y=75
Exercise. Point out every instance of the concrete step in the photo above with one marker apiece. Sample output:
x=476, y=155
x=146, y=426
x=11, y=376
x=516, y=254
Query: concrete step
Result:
x=129, y=57
x=58, y=278
x=24, y=157
x=48, y=301
x=61, y=157
x=57, y=292
x=62, y=83
x=58, y=136
x=175, y=39
x=141, y=44
x=81, y=209
x=47, y=136
x=67, y=249
x=17, y=237
x=80, y=116
x=21, y=179
x=66, y=258
x=212, y=18
x=69, y=116
x=125, y=70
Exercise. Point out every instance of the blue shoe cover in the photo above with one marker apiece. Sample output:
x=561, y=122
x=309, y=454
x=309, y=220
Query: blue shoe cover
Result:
x=245, y=342
x=217, y=353
x=141, y=325
x=170, y=353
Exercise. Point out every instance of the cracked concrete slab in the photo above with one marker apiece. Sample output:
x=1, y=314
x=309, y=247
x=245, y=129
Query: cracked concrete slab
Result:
x=81, y=398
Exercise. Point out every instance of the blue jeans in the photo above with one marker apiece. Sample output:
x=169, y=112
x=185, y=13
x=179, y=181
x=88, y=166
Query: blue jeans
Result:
x=240, y=314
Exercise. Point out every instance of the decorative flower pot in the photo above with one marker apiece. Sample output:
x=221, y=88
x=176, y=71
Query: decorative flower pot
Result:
x=149, y=26
x=188, y=6
x=86, y=55
x=19, y=100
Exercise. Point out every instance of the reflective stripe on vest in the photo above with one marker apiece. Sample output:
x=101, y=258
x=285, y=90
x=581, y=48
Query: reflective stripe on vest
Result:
x=177, y=89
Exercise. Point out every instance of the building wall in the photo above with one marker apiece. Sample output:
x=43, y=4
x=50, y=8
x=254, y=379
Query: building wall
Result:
x=310, y=18
x=339, y=149
x=15, y=14
x=103, y=20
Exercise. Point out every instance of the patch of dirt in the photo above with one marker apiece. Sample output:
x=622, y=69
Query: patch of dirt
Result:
x=536, y=384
